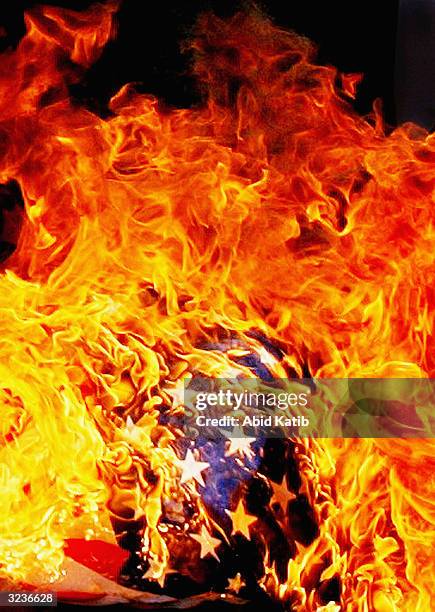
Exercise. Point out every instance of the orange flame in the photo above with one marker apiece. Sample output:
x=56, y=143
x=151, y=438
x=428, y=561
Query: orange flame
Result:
x=273, y=207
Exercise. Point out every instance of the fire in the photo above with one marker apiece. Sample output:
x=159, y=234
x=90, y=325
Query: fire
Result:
x=158, y=243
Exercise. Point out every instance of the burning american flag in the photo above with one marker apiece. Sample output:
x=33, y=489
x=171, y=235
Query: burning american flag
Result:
x=267, y=233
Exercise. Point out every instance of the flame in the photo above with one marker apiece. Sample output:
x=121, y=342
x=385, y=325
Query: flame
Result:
x=151, y=233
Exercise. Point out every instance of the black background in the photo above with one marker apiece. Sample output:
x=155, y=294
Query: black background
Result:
x=354, y=36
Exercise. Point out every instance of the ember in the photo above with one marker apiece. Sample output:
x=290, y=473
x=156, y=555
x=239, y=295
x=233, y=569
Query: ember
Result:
x=268, y=233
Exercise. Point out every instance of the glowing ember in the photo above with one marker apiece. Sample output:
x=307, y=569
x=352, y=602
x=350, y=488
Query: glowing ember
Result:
x=270, y=230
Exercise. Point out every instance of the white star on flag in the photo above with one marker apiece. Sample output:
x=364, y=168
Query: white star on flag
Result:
x=241, y=520
x=191, y=469
x=207, y=542
x=235, y=584
x=239, y=443
x=177, y=392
